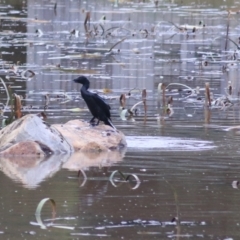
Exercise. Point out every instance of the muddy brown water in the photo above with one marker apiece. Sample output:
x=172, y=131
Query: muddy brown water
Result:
x=187, y=163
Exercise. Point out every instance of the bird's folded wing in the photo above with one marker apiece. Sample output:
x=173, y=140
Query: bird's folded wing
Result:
x=102, y=104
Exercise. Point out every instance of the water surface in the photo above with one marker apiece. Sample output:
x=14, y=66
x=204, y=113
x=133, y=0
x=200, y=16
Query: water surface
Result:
x=186, y=162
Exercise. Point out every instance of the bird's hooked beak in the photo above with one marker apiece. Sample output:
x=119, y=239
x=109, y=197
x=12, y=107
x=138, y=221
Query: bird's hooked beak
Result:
x=80, y=79
x=76, y=80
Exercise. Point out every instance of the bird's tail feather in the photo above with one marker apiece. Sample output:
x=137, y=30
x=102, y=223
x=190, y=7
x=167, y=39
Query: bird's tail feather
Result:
x=109, y=122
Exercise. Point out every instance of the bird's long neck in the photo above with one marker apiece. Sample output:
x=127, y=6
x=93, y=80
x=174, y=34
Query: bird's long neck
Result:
x=85, y=86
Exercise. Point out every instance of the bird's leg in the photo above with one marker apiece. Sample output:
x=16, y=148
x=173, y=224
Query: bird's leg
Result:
x=92, y=121
x=97, y=122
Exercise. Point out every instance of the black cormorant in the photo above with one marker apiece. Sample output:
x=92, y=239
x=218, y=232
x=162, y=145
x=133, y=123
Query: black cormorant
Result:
x=96, y=105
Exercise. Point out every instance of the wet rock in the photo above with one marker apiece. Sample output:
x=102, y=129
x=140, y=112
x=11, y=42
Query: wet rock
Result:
x=30, y=135
x=24, y=148
x=31, y=151
x=84, y=137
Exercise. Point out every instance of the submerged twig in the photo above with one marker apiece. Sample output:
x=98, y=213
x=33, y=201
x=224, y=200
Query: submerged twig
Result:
x=144, y=31
x=163, y=88
x=125, y=178
x=130, y=91
x=84, y=177
x=226, y=42
x=116, y=44
x=177, y=218
x=179, y=28
x=120, y=63
x=39, y=210
x=118, y=28
x=229, y=88
x=207, y=94
x=55, y=8
x=101, y=26
x=134, y=106
x=234, y=43
x=24, y=74
x=47, y=100
x=6, y=90
x=87, y=19
x=144, y=96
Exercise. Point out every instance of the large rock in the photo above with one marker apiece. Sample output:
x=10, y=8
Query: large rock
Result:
x=86, y=138
x=30, y=135
x=31, y=151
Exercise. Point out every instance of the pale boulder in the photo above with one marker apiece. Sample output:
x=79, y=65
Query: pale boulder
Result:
x=25, y=148
x=30, y=135
x=32, y=151
x=84, y=137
